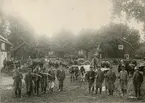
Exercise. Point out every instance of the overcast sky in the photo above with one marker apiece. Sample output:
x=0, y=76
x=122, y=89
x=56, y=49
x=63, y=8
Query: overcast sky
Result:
x=50, y=16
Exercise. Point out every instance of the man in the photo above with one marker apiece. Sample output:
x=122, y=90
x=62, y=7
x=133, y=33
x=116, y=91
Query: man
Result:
x=91, y=78
x=99, y=80
x=36, y=78
x=110, y=78
x=29, y=83
x=137, y=81
x=76, y=72
x=95, y=61
x=17, y=82
x=61, y=77
x=44, y=80
x=72, y=72
x=82, y=70
x=123, y=80
x=119, y=67
x=29, y=61
x=51, y=78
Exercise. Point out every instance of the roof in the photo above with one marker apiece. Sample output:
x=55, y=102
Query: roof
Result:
x=14, y=49
x=2, y=39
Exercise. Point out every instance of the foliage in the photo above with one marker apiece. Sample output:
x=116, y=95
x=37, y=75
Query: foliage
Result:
x=141, y=50
x=20, y=31
x=3, y=25
x=113, y=35
x=133, y=9
x=63, y=42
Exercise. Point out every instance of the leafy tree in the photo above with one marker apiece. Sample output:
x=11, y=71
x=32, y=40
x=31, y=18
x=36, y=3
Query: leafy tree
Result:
x=114, y=35
x=63, y=42
x=87, y=40
x=133, y=9
x=20, y=31
x=4, y=30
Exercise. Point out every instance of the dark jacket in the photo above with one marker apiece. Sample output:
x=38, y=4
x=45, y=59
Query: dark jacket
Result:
x=17, y=80
x=60, y=75
x=111, y=77
x=99, y=76
x=28, y=80
x=137, y=78
x=90, y=76
x=52, y=75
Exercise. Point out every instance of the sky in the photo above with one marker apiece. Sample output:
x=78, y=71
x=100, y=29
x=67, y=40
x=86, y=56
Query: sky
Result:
x=51, y=16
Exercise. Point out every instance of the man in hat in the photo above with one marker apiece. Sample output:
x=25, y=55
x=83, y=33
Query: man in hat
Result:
x=36, y=78
x=76, y=72
x=95, y=61
x=123, y=79
x=137, y=81
x=51, y=76
x=82, y=70
x=17, y=82
x=99, y=79
x=44, y=80
x=72, y=72
x=29, y=82
x=91, y=78
x=120, y=65
x=110, y=78
x=61, y=77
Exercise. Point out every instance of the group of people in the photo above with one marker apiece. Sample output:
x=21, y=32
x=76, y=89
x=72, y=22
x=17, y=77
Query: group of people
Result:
x=96, y=77
x=38, y=79
x=43, y=77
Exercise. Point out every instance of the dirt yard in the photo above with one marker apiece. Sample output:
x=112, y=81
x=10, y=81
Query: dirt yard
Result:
x=73, y=92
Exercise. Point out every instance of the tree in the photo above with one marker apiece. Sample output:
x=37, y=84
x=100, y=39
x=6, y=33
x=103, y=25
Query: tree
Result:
x=4, y=30
x=114, y=35
x=133, y=9
x=87, y=40
x=63, y=42
x=20, y=31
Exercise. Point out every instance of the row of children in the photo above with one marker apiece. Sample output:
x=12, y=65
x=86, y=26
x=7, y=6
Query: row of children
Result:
x=39, y=78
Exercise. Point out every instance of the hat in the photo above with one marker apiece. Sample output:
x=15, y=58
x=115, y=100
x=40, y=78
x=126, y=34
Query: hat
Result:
x=136, y=68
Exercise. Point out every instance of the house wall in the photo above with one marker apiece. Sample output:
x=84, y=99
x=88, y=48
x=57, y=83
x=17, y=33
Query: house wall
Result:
x=3, y=55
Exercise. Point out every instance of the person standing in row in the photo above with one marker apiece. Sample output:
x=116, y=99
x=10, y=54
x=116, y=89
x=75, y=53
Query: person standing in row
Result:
x=36, y=79
x=17, y=82
x=44, y=80
x=51, y=78
x=91, y=78
x=61, y=77
x=123, y=80
x=137, y=82
x=95, y=61
x=29, y=83
x=99, y=80
x=82, y=70
x=110, y=78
